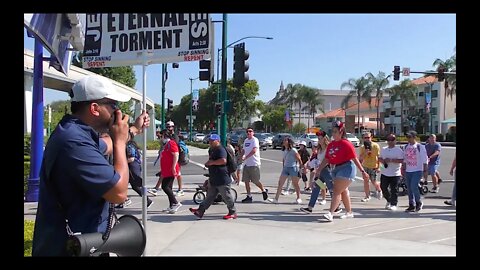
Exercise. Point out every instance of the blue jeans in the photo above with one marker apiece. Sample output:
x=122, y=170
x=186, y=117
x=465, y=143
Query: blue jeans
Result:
x=326, y=177
x=412, y=180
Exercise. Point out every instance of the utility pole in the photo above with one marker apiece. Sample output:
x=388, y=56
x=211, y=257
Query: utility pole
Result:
x=223, y=125
x=191, y=109
x=164, y=80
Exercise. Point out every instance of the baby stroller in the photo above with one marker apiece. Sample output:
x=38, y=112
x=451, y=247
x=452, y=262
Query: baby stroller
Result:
x=200, y=195
x=402, y=187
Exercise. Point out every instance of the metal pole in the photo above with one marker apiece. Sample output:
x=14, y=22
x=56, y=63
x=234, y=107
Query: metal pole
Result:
x=37, y=125
x=191, y=109
x=164, y=70
x=144, y=156
x=218, y=88
x=223, y=125
x=49, y=120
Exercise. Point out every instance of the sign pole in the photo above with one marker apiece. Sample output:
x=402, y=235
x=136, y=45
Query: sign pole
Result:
x=144, y=157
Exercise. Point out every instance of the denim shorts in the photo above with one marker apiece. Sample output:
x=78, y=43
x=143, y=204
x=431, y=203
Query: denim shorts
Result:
x=346, y=170
x=291, y=171
x=432, y=168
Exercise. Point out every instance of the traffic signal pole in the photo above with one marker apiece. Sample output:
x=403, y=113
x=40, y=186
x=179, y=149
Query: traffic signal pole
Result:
x=164, y=71
x=223, y=126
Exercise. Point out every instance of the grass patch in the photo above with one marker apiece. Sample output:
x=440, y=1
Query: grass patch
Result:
x=28, y=226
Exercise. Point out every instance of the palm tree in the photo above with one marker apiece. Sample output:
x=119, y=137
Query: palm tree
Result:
x=313, y=98
x=378, y=84
x=450, y=82
x=360, y=90
x=292, y=93
x=406, y=92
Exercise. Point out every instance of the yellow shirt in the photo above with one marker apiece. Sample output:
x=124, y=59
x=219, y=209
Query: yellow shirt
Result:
x=370, y=157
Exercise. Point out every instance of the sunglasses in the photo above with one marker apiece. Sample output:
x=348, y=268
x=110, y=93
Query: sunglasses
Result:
x=249, y=131
x=366, y=137
x=113, y=104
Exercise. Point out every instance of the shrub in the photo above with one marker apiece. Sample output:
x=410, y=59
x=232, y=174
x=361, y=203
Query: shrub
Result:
x=28, y=226
x=26, y=174
x=440, y=137
x=153, y=145
x=199, y=145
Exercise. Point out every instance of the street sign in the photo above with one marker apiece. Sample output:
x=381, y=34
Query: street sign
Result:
x=195, y=105
x=188, y=117
x=406, y=71
x=195, y=95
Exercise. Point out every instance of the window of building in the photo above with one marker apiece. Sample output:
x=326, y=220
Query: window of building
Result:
x=372, y=119
x=392, y=112
x=433, y=110
x=434, y=93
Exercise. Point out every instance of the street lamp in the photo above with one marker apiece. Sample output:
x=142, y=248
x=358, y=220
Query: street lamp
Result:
x=191, y=109
x=218, y=67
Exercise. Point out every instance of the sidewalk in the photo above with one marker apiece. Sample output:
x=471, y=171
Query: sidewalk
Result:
x=266, y=229
x=194, y=151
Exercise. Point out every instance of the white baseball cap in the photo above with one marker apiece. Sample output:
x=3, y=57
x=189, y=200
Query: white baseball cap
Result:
x=95, y=87
x=170, y=124
x=303, y=143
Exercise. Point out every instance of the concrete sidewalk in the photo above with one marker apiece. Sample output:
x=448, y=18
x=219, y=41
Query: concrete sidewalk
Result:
x=266, y=229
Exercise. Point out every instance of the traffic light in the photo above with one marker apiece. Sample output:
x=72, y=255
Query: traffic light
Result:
x=240, y=65
x=206, y=75
x=218, y=108
x=169, y=105
x=441, y=74
x=396, y=73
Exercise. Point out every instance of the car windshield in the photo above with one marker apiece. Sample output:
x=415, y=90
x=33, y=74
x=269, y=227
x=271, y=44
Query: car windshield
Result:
x=312, y=136
x=350, y=135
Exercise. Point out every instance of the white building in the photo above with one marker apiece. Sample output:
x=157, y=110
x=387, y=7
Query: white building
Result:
x=441, y=108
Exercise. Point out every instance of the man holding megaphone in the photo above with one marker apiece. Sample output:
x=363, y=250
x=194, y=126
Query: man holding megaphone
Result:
x=77, y=183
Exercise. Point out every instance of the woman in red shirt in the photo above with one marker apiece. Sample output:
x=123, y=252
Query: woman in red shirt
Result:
x=341, y=156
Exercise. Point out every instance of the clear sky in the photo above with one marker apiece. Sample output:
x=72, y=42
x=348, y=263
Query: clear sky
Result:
x=318, y=50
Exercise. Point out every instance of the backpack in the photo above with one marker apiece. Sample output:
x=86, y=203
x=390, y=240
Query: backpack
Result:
x=183, y=156
x=231, y=162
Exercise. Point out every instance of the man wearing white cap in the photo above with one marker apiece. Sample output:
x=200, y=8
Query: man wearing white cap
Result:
x=77, y=183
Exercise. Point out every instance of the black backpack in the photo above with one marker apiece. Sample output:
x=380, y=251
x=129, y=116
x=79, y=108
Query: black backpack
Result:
x=231, y=162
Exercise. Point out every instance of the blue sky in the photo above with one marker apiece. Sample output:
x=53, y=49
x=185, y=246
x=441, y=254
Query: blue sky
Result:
x=318, y=50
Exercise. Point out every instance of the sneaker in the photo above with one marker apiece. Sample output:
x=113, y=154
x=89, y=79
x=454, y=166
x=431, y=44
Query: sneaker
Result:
x=180, y=193
x=197, y=213
x=322, y=202
x=410, y=208
x=153, y=191
x=388, y=206
x=419, y=207
x=366, y=199
x=248, y=199
x=308, y=189
x=127, y=202
x=274, y=201
x=306, y=210
x=285, y=192
x=168, y=209
x=393, y=208
x=265, y=194
x=379, y=195
x=328, y=216
x=448, y=202
x=440, y=180
x=338, y=210
x=347, y=215
x=435, y=189
x=174, y=208
x=119, y=206
x=298, y=201
x=149, y=204
x=230, y=216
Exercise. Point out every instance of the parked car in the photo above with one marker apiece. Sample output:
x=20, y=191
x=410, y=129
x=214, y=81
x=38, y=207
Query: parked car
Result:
x=310, y=138
x=278, y=139
x=353, y=139
x=234, y=139
x=262, y=141
x=198, y=137
x=207, y=137
x=268, y=138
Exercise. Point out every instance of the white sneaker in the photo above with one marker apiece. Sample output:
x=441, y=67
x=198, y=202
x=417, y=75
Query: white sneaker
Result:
x=322, y=202
x=328, y=216
x=153, y=191
x=387, y=206
x=379, y=195
x=274, y=201
x=175, y=208
x=347, y=215
x=168, y=209
x=298, y=201
x=284, y=192
x=366, y=199
x=180, y=193
x=127, y=202
x=393, y=208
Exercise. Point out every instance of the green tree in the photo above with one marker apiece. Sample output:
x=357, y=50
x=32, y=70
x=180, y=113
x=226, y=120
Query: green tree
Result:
x=243, y=102
x=158, y=111
x=450, y=82
x=299, y=128
x=405, y=91
x=313, y=98
x=274, y=117
x=359, y=88
x=378, y=84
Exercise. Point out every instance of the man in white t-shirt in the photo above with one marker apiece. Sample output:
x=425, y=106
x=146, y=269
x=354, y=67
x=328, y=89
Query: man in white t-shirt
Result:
x=251, y=167
x=392, y=158
x=415, y=162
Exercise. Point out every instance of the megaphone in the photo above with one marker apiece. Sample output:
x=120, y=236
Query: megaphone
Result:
x=127, y=238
